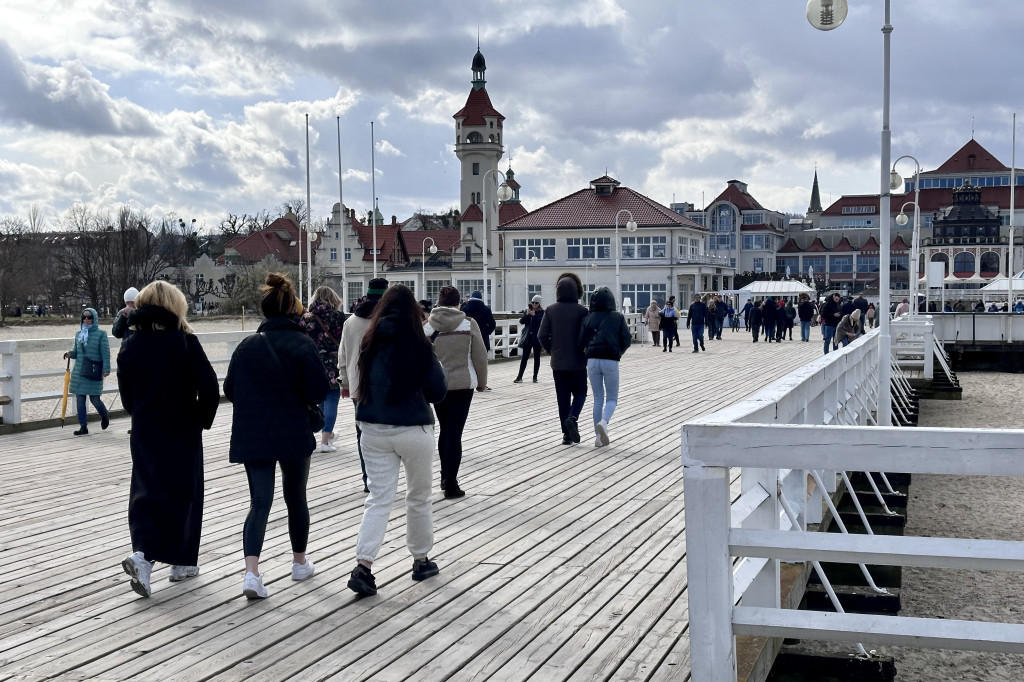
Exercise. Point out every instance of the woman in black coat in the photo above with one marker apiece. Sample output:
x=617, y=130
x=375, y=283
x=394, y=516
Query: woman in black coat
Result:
x=273, y=377
x=170, y=390
x=532, y=318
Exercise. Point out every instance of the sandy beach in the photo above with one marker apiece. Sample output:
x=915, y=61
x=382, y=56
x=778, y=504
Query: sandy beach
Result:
x=968, y=507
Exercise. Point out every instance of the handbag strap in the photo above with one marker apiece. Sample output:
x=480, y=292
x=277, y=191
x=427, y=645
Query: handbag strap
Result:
x=280, y=365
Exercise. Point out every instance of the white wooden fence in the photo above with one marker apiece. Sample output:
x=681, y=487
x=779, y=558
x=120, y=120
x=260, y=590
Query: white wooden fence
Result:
x=814, y=420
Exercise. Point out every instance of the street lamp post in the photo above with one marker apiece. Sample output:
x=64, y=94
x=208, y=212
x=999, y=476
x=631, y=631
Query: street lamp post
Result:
x=915, y=242
x=503, y=193
x=826, y=15
x=630, y=227
x=423, y=260
x=530, y=255
x=586, y=282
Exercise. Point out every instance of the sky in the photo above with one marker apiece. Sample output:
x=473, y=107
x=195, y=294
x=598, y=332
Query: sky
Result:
x=197, y=108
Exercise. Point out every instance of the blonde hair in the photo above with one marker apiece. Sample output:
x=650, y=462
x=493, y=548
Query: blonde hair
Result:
x=165, y=295
x=327, y=296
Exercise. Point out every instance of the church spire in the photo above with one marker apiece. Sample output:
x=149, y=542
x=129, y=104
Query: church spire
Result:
x=815, y=206
x=479, y=67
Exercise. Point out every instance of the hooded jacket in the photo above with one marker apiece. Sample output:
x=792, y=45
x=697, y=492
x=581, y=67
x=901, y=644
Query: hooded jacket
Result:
x=560, y=328
x=356, y=325
x=604, y=334
x=325, y=325
x=849, y=325
x=459, y=346
x=95, y=346
x=476, y=309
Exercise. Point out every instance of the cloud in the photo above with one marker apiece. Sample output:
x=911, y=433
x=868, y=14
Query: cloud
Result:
x=387, y=149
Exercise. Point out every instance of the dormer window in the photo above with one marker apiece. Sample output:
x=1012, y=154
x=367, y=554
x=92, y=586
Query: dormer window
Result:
x=603, y=190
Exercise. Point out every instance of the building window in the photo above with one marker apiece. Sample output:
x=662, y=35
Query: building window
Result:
x=589, y=248
x=759, y=242
x=791, y=262
x=468, y=286
x=859, y=209
x=816, y=262
x=588, y=292
x=867, y=263
x=641, y=294
x=759, y=265
x=963, y=263
x=840, y=264
x=348, y=254
x=723, y=219
x=534, y=290
x=469, y=254
x=337, y=235
x=334, y=254
x=721, y=242
x=434, y=289
x=857, y=222
x=543, y=249
x=643, y=247
x=355, y=291
x=753, y=218
x=476, y=169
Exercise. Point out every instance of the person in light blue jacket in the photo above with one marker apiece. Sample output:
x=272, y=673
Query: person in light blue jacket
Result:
x=90, y=342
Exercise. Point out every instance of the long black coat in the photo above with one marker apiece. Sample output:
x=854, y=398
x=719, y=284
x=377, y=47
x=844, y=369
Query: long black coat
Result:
x=171, y=392
x=270, y=421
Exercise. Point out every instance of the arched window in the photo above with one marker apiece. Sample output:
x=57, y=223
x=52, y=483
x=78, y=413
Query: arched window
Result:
x=942, y=258
x=963, y=264
x=490, y=138
x=989, y=264
x=474, y=137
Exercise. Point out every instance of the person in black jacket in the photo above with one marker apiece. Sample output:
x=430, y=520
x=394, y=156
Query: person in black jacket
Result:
x=479, y=311
x=169, y=388
x=696, y=317
x=604, y=337
x=831, y=313
x=532, y=317
x=755, y=317
x=273, y=378
x=806, y=313
x=769, y=313
x=399, y=376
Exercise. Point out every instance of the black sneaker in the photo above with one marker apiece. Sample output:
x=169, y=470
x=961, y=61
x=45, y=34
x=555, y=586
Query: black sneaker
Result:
x=453, y=492
x=566, y=440
x=83, y=431
x=572, y=431
x=362, y=581
x=444, y=484
x=517, y=380
x=424, y=568
x=104, y=422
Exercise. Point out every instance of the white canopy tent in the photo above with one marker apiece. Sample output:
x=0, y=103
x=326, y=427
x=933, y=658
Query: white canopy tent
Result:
x=1004, y=284
x=786, y=287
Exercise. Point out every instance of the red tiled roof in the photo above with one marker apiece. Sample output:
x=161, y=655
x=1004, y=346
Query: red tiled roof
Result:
x=387, y=242
x=857, y=200
x=275, y=240
x=816, y=246
x=790, y=247
x=413, y=240
x=513, y=184
x=898, y=245
x=605, y=180
x=508, y=212
x=843, y=245
x=972, y=157
x=759, y=226
x=478, y=105
x=586, y=208
x=741, y=200
x=471, y=214
x=870, y=245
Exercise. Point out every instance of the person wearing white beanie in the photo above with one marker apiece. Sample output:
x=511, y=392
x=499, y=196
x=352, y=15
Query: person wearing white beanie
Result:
x=121, y=329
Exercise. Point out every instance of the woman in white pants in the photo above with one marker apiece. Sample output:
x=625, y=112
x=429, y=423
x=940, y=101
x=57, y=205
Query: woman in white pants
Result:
x=399, y=376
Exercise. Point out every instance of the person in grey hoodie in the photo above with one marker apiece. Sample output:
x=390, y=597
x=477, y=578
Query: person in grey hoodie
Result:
x=459, y=345
x=559, y=336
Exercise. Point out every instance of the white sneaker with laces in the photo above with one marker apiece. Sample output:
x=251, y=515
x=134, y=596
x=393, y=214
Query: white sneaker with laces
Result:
x=327, y=447
x=253, y=587
x=303, y=571
x=179, y=573
x=140, y=570
x=602, y=431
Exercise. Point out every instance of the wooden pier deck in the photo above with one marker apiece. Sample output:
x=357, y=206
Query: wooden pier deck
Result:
x=562, y=562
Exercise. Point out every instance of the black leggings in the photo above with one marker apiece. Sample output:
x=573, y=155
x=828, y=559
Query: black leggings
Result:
x=534, y=345
x=452, y=413
x=294, y=475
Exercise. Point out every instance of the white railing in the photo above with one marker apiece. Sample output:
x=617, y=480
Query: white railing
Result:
x=812, y=423
x=44, y=382
x=978, y=327
x=913, y=343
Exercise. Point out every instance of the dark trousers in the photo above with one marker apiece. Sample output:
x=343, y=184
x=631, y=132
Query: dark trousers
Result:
x=571, y=393
x=452, y=413
x=294, y=475
x=697, y=331
x=755, y=330
x=83, y=418
x=668, y=335
x=656, y=335
x=719, y=325
x=769, y=330
x=534, y=345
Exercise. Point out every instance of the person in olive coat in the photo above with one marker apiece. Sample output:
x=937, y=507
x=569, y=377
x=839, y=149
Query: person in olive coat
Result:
x=273, y=378
x=171, y=392
x=90, y=342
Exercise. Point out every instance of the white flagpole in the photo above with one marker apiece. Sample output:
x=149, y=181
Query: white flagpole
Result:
x=1013, y=193
x=309, y=234
x=307, y=208
x=373, y=200
x=341, y=227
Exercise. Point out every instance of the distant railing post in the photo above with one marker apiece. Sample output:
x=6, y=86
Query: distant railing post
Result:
x=10, y=387
x=708, y=569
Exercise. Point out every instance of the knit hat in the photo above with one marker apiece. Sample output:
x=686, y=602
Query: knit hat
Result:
x=476, y=294
x=376, y=288
x=130, y=293
x=537, y=299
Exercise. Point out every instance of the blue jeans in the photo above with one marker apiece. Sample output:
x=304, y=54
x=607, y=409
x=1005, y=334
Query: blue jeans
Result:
x=96, y=402
x=828, y=332
x=805, y=330
x=330, y=408
x=604, y=381
x=698, y=334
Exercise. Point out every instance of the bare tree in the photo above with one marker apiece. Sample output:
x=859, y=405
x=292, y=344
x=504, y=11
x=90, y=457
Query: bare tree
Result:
x=14, y=261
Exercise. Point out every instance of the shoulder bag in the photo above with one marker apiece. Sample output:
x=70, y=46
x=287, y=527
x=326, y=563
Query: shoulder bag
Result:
x=91, y=369
x=314, y=413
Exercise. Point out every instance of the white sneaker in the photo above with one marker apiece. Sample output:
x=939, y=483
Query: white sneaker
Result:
x=179, y=573
x=330, y=439
x=253, y=588
x=602, y=431
x=303, y=571
x=597, y=442
x=327, y=447
x=139, y=569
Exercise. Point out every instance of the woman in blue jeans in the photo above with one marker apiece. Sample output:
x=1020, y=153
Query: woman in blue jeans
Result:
x=90, y=343
x=604, y=337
